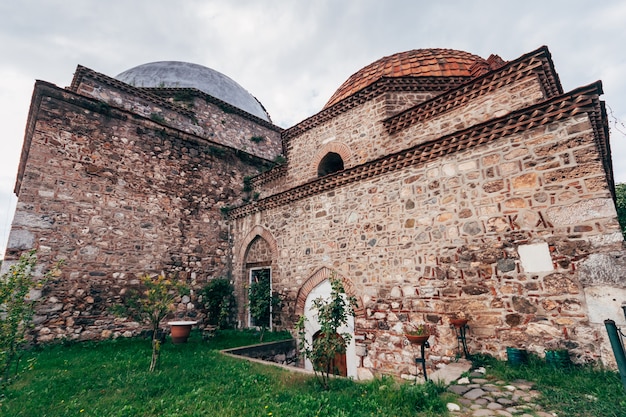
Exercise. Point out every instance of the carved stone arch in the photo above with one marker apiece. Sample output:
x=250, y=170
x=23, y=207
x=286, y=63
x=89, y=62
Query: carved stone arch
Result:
x=317, y=278
x=342, y=150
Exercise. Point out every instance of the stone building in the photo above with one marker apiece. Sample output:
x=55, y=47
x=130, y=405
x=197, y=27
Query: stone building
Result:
x=433, y=183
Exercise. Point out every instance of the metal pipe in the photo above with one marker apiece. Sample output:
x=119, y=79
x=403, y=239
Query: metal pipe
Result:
x=618, y=349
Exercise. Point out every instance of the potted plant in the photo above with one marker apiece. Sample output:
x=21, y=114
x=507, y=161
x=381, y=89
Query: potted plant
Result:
x=459, y=320
x=418, y=333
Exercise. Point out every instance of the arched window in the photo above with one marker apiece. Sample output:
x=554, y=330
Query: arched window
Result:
x=331, y=162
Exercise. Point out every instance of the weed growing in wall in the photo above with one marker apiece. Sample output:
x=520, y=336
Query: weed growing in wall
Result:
x=156, y=117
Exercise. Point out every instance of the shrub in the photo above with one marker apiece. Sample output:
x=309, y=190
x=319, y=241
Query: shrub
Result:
x=219, y=300
x=17, y=309
x=151, y=304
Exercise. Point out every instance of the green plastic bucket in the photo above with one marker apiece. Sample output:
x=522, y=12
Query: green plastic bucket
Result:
x=558, y=358
x=516, y=356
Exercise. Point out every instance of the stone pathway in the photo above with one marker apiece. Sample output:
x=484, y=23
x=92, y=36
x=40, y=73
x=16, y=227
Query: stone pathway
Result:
x=479, y=397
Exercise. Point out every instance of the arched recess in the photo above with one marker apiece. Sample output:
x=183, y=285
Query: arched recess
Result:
x=257, y=231
x=256, y=259
x=329, y=157
x=318, y=285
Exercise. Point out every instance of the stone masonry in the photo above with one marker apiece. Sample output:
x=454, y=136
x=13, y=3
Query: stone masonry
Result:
x=466, y=186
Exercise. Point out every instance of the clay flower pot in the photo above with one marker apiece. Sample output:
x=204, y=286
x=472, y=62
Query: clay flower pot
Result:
x=417, y=339
x=458, y=323
x=180, y=330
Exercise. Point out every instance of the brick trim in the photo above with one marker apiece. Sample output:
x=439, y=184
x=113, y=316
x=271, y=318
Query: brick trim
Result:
x=317, y=278
x=464, y=86
x=460, y=96
x=339, y=148
x=582, y=100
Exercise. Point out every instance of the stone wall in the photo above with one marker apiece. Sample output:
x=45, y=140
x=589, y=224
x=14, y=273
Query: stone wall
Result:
x=500, y=232
x=116, y=196
x=188, y=110
x=361, y=134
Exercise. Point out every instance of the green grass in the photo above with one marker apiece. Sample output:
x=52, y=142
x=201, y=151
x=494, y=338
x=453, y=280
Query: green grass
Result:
x=572, y=391
x=112, y=379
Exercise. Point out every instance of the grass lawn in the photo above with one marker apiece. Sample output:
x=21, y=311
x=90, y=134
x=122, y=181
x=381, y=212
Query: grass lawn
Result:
x=112, y=379
x=576, y=391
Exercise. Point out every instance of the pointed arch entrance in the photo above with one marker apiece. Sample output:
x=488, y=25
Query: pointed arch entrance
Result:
x=258, y=257
x=318, y=285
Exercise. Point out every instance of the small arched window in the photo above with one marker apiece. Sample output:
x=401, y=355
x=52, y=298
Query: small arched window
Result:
x=331, y=162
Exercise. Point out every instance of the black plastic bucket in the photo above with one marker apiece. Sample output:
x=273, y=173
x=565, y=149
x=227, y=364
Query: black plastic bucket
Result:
x=558, y=358
x=516, y=356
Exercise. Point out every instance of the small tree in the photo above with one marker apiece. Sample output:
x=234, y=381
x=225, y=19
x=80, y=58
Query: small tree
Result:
x=17, y=309
x=219, y=300
x=332, y=314
x=150, y=305
x=262, y=301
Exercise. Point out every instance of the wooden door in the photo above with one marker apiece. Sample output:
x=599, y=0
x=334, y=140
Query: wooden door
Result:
x=339, y=364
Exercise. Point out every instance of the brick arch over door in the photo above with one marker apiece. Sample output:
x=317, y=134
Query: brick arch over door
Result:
x=317, y=278
x=339, y=148
x=257, y=231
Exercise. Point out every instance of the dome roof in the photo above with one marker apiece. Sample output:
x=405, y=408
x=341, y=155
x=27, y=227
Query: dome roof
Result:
x=414, y=63
x=175, y=74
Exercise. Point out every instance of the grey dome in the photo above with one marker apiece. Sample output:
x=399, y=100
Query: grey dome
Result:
x=187, y=75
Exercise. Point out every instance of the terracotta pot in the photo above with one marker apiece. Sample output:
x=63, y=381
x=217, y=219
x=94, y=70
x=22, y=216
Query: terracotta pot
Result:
x=417, y=339
x=180, y=330
x=458, y=323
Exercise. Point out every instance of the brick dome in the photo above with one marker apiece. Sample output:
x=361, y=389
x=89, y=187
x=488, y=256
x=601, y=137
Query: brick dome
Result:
x=414, y=63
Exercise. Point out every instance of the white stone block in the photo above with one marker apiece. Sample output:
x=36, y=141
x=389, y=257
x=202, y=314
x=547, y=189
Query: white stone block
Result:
x=535, y=257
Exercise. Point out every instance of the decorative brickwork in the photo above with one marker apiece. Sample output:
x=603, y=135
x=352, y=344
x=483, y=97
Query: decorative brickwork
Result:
x=339, y=148
x=317, y=278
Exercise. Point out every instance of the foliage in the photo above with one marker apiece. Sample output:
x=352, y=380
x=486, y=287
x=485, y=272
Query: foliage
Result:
x=620, y=194
x=262, y=301
x=257, y=139
x=219, y=300
x=156, y=117
x=332, y=314
x=150, y=305
x=197, y=381
x=576, y=391
x=420, y=329
x=17, y=309
x=247, y=183
x=280, y=159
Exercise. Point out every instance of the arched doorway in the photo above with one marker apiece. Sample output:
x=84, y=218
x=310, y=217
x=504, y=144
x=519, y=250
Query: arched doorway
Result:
x=347, y=363
x=257, y=263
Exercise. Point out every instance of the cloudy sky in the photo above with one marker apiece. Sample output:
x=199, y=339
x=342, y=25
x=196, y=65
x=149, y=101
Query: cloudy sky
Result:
x=291, y=54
